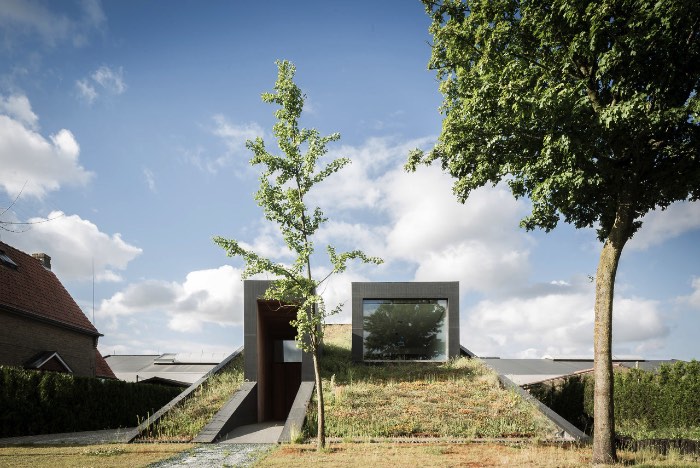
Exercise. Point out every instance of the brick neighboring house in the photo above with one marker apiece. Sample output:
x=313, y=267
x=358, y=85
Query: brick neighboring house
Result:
x=41, y=326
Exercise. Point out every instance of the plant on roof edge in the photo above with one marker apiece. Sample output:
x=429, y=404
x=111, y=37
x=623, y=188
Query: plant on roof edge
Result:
x=284, y=183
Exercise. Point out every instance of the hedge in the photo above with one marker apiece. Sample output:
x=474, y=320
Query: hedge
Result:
x=34, y=402
x=664, y=400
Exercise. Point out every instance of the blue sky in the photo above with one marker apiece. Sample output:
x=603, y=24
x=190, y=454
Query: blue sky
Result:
x=126, y=122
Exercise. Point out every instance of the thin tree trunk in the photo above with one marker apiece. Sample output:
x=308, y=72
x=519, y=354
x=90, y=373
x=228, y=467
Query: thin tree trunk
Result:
x=321, y=428
x=603, y=412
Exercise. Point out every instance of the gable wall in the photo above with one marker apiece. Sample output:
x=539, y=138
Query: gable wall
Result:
x=22, y=338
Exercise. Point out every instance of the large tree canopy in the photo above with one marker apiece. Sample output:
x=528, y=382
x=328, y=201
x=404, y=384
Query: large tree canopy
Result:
x=589, y=108
x=578, y=105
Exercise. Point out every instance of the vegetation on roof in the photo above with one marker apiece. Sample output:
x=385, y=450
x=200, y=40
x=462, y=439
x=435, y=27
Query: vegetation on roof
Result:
x=457, y=399
x=186, y=420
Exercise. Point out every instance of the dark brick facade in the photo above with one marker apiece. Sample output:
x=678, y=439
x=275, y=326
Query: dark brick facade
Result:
x=22, y=338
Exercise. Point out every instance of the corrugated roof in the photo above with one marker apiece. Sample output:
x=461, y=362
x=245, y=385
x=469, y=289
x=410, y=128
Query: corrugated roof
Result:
x=32, y=290
x=129, y=363
x=529, y=371
x=137, y=368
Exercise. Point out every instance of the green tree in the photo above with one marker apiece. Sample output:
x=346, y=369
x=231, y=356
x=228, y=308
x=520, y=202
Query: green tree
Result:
x=284, y=184
x=589, y=108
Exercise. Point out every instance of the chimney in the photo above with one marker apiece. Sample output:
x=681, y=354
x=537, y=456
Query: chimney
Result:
x=44, y=259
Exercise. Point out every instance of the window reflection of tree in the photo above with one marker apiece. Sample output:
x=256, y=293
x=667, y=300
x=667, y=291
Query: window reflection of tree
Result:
x=405, y=332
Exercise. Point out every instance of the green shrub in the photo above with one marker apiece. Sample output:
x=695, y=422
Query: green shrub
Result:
x=35, y=402
x=662, y=404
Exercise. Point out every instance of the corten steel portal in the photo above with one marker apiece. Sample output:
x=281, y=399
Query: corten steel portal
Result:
x=402, y=291
x=271, y=360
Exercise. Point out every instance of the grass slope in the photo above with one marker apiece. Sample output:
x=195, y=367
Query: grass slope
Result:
x=186, y=420
x=457, y=399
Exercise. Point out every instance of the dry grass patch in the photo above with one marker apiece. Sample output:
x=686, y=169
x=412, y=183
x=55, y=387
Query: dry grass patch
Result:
x=424, y=455
x=106, y=455
x=461, y=398
x=463, y=455
x=186, y=420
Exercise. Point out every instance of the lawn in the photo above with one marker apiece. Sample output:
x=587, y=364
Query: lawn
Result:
x=106, y=455
x=448, y=455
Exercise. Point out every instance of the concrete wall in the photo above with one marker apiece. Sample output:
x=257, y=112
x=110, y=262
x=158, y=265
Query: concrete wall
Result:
x=406, y=290
x=21, y=338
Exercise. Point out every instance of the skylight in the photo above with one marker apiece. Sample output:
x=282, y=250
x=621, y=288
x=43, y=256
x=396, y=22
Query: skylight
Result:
x=6, y=260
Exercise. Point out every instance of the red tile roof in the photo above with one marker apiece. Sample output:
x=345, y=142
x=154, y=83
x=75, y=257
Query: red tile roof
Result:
x=32, y=290
x=102, y=369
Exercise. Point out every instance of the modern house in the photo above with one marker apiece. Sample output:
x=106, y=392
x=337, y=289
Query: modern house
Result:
x=41, y=326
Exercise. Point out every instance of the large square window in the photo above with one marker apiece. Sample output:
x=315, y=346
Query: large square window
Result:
x=404, y=329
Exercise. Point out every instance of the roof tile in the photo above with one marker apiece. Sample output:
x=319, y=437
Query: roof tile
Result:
x=34, y=290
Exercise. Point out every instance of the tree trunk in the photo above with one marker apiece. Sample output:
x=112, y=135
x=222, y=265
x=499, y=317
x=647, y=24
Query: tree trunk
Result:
x=321, y=428
x=603, y=412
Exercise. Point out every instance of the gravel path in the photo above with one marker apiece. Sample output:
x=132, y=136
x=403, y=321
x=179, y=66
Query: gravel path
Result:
x=217, y=455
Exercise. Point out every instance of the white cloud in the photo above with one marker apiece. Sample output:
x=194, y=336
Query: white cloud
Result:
x=26, y=157
x=268, y=243
x=360, y=184
x=337, y=291
x=86, y=91
x=157, y=344
x=234, y=137
x=109, y=80
x=477, y=265
x=693, y=299
x=18, y=107
x=27, y=18
x=150, y=179
x=205, y=296
x=557, y=320
x=73, y=244
x=418, y=222
x=662, y=225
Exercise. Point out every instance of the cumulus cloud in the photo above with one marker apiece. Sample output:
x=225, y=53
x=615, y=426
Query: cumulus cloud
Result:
x=693, y=299
x=27, y=157
x=205, y=296
x=418, y=223
x=17, y=106
x=103, y=80
x=268, y=243
x=74, y=244
x=359, y=184
x=235, y=135
x=28, y=18
x=557, y=320
x=662, y=225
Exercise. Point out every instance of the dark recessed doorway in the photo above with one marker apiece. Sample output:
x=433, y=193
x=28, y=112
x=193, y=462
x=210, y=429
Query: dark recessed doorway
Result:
x=279, y=360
